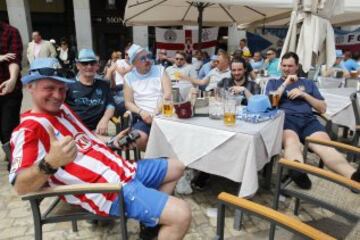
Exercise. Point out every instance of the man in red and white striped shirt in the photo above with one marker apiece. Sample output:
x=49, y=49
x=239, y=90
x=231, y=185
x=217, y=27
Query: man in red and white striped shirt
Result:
x=52, y=146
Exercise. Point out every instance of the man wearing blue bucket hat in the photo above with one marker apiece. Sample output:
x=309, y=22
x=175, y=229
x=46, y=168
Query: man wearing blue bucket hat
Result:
x=146, y=85
x=52, y=146
x=299, y=97
x=89, y=96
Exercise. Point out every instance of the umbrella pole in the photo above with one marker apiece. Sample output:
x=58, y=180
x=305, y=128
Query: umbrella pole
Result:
x=200, y=7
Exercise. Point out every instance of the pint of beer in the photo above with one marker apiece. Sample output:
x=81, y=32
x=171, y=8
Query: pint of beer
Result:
x=274, y=99
x=167, y=107
x=230, y=112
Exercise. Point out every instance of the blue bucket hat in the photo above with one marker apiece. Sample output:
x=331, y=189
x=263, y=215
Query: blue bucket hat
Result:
x=133, y=51
x=86, y=55
x=258, y=104
x=44, y=68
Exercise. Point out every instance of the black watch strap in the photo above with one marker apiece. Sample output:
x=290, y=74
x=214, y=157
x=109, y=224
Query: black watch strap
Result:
x=46, y=168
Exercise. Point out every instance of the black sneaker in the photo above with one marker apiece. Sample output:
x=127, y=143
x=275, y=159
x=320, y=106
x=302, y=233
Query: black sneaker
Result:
x=301, y=179
x=148, y=233
x=199, y=183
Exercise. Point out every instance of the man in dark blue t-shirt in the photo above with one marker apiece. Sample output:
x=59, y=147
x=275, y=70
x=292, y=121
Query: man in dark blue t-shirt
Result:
x=90, y=97
x=299, y=97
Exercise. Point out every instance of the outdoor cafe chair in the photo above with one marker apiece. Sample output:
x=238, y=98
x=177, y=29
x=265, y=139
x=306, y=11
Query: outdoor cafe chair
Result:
x=330, y=82
x=60, y=211
x=329, y=190
x=287, y=222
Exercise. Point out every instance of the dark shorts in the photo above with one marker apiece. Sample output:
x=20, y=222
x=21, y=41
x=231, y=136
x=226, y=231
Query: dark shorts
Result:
x=140, y=125
x=303, y=126
x=142, y=199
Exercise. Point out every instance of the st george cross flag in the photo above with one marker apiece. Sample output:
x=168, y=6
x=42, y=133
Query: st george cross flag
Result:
x=185, y=40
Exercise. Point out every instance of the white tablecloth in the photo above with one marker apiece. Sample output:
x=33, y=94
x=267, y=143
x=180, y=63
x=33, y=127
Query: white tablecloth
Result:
x=208, y=145
x=339, y=108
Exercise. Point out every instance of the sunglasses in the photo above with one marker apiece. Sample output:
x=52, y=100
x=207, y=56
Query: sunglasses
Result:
x=269, y=54
x=145, y=58
x=48, y=72
x=179, y=59
x=92, y=63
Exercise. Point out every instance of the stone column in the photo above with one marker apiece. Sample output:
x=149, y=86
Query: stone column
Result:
x=141, y=36
x=234, y=36
x=19, y=17
x=83, y=27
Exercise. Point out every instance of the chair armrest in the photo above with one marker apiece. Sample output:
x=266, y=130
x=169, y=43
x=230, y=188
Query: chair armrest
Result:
x=73, y=190
x=322, y=173
x=334, y=144
x=322, y=116
x=274, y=216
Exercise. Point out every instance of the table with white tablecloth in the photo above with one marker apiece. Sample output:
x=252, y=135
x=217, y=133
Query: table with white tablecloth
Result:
x=339, y=108
x=236, y=153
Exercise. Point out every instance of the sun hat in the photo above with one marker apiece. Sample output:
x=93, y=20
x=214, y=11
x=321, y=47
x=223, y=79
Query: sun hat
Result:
x=339, y=53
x=258, y=104
x=45, y=68
x=86, y=55
x=133, y=51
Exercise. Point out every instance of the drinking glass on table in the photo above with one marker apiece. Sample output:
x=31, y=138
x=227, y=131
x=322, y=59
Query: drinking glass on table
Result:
x=167, y=106
x=230, y=111
x=274, y=98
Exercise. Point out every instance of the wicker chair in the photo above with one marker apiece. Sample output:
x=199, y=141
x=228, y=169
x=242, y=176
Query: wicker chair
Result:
x=290, y=223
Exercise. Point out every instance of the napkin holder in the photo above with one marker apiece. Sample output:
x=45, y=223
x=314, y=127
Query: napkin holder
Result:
x=201, y=107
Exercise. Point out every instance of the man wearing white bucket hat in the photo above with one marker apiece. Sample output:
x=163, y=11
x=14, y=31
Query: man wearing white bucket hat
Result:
x=146, y=85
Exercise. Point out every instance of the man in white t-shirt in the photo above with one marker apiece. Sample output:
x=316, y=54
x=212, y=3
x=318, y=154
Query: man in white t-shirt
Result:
x=221, y=71
x=180, y=67
x=146, y=85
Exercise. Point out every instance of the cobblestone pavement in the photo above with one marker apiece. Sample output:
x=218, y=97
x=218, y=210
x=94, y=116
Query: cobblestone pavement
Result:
x=16, y=219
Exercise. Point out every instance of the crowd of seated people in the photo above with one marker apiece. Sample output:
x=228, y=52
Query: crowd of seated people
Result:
x=139, y=83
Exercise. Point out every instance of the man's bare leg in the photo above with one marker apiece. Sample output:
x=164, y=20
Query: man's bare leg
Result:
x=174, y=173
x=175, y=219
x=331, y=157
x=292, y=146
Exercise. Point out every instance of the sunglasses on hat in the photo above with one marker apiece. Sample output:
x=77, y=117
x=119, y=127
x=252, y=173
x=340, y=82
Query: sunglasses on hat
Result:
x=48, y=72
x=145, y=58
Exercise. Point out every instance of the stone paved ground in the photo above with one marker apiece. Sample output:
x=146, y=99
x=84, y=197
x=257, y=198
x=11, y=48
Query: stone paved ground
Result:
x=16, y=219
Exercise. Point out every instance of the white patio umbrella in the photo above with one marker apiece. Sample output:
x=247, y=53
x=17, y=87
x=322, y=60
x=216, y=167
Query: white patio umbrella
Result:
x=182, y=12
x=314, y=41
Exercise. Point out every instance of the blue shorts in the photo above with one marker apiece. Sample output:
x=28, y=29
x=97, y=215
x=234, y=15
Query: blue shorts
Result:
x=142, y=201
x=303, y=126
x=142, y=126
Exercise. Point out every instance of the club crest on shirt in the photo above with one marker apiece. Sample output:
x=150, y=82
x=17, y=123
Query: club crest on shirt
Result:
x=83, y=142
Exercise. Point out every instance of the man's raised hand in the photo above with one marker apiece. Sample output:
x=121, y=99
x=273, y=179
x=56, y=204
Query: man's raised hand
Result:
x=61, y=151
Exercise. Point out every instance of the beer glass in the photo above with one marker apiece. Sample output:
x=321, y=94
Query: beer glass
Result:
x=177, y=75
x=230, y=111
x=274, y=98
x=167, y=107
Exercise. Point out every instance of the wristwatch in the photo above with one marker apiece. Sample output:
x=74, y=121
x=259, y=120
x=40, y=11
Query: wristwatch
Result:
x=46, y=168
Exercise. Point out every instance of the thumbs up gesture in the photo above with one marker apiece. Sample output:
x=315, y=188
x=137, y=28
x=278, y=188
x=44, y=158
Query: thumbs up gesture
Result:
x=62, y=151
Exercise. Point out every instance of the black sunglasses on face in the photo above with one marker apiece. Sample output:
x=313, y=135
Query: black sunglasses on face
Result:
x=48, y=72
x=92, y=63
x=145, y=58
x=179, y=59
